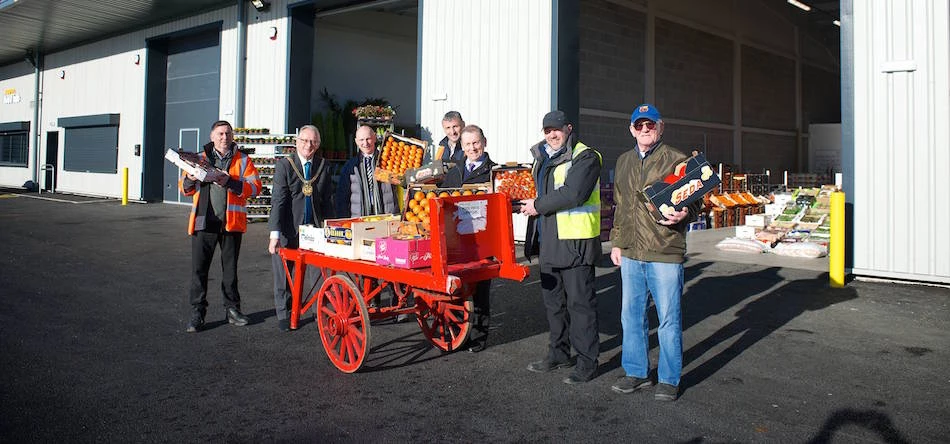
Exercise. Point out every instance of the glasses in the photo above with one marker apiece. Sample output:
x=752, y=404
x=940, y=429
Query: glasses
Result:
x=644, y=123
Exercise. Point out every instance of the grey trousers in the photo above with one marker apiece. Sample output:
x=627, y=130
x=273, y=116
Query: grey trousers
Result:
x=282, y=291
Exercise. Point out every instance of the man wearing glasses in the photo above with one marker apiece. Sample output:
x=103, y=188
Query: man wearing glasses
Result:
x=300, y=196
x=564, y=227
x=650, y=254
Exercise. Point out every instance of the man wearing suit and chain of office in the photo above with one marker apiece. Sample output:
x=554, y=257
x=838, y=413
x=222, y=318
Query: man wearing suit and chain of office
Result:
x=475, y=168
x=300, y=196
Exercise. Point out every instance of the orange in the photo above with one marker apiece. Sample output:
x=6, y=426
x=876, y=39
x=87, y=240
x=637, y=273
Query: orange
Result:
x=456, y=194
x=443, y=194
x=430, y=195
x=467, y=193
x=424, y=203
x=412, y=218
x=419, y=196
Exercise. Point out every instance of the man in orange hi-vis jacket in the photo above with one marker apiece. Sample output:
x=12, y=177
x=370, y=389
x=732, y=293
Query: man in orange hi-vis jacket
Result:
x=219, y=219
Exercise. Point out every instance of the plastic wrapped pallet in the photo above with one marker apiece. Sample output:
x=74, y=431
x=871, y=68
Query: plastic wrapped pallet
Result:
x=800, y=249
x=741, y=245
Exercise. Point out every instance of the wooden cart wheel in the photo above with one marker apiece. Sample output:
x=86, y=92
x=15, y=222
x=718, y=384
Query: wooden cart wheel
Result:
x=446, y=324
x=343, y=323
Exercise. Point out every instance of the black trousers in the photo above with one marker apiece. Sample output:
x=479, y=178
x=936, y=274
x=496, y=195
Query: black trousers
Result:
x=203, y=244
x=571, y=305
x=481, y=312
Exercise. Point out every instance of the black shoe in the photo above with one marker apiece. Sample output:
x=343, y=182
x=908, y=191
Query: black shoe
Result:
x=545, y=365
x=578, y=377
x=237, y=318
x=196, y=324
x=666, y=392
x=477, y=345
x=629, y=384
x=283, y=324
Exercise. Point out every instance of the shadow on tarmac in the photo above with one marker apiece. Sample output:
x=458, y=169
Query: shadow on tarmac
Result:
x=872, y=420
x=776, y=302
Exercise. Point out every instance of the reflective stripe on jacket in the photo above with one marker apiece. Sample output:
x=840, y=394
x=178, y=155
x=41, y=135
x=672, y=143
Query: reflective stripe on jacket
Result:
x=581, y=222
x=241, y=169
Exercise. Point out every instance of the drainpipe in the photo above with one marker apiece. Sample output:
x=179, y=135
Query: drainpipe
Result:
x=37, y=62
x=241, y=65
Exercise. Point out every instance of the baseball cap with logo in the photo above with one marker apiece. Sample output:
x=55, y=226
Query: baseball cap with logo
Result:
x=645, y=111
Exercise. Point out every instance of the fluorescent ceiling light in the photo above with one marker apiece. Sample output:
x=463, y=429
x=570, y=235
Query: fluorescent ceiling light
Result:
x=837, y=23
x=799, y=5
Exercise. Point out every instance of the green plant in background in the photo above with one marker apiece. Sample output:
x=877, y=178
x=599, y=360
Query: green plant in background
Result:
x=338, y=124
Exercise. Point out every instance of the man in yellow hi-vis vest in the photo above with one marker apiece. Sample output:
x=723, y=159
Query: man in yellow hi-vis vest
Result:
x=564, y=227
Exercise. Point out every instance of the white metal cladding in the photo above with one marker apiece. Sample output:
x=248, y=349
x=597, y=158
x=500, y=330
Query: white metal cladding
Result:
x=16, y=83
x=103, y=78
x=901, y=139
x=491, y=61
x=265, y=98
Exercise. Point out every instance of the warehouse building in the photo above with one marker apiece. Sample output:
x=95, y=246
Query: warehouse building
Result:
x=93, y=88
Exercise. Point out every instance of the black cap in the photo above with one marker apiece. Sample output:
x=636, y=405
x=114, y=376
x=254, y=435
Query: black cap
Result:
x=554, y=119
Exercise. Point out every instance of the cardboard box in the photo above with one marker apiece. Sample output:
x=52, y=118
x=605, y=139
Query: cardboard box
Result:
x=345, y=237
x=404, y=253
x=426, y=174
x=745, y=232
x=367, y=249
x=514, y=180
x=758, y=220
x=190, y=163
x=774, y=209
x=311, y=238
x=689, y=181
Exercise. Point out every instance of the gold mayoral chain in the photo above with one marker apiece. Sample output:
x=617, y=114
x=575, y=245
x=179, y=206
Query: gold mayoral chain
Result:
x=306, y=188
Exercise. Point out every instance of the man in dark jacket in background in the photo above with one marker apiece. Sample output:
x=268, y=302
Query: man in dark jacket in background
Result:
x=650, y=254
x=564, y=226
x=449, y=148
x=358, y=193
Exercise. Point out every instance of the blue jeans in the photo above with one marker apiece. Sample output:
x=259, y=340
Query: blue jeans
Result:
x=665, y=282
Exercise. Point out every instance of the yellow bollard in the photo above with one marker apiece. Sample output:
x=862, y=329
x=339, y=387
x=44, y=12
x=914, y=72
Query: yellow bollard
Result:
x=836, y=247
x=125, y=186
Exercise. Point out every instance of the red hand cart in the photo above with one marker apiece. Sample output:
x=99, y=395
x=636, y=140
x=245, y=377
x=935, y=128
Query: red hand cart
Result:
x=471, y=241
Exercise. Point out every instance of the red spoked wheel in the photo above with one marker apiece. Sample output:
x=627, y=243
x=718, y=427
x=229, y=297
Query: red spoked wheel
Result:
x=343, y=323
x=445, y=323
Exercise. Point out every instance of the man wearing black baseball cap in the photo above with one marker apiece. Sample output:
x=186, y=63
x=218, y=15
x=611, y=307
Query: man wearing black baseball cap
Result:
x=564, y=227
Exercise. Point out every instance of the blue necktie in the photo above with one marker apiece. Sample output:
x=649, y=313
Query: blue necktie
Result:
x=307, y=203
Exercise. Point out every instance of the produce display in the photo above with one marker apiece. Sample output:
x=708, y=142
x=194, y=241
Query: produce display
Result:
x=801, y=227
x=516, y=183
x=399, y=155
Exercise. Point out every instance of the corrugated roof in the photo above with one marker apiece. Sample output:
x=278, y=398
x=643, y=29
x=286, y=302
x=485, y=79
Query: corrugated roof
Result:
x=52, y=25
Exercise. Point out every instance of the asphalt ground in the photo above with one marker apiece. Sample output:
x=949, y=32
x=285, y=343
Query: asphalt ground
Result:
x=93, y=308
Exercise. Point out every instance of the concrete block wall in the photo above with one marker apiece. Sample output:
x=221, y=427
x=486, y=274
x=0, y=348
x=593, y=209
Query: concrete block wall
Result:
x=768, y=151
x=768, y=90
x=692, y=78
x=611, y=56
x=821, y=96
x=693, y=74
x=715, y=143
